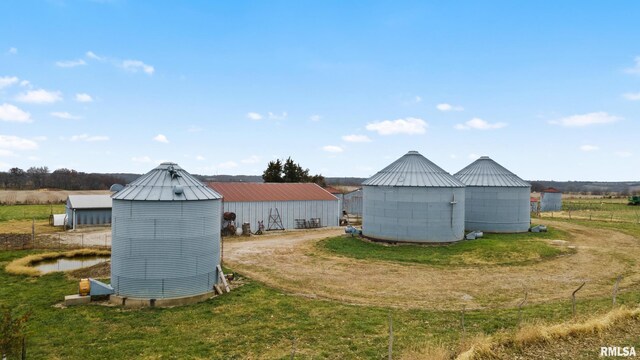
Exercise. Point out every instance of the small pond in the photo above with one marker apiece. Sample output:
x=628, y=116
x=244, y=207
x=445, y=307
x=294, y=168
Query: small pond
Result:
x=65, y=264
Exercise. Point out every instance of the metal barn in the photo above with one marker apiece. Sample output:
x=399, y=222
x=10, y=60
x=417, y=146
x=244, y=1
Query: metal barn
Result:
x=296, y=204
x=496, y=200
x=88, y=210
x=550, y=199
x=413, y=200
x=165, y=236
x=352, y=202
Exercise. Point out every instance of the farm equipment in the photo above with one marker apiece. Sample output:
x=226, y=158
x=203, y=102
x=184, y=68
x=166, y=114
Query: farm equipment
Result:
x=634, y=200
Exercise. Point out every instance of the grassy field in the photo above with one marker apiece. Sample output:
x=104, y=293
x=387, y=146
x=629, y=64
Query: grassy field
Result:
x=19, y=218
x=28, y=212
x=600, y=209
x=252, y=322
x=493, y=249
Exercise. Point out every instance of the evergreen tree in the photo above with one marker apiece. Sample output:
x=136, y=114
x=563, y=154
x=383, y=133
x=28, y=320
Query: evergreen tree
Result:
x=273, y=173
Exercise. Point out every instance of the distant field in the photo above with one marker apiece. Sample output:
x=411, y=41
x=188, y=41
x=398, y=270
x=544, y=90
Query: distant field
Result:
x=601, y=209
x=13, y=197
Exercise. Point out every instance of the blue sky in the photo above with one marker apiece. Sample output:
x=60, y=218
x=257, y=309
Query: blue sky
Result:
x=551, y=90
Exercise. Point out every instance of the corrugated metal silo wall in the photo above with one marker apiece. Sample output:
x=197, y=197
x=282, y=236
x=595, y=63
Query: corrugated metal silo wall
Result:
x=327, y=210
x=415, y=214
x=88, y=217
x=550, y=201
x=353, y=202
x=497, y=209
x=165, y=249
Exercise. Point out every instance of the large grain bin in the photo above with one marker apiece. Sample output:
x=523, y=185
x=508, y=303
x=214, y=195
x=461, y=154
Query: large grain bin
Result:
x=550, y=199
x=165, y=236
x=413, y=200
x=496, y=200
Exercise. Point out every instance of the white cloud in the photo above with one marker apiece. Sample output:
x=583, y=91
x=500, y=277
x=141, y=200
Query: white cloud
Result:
x=228, y=165
x=588, y=148
x=624, y=154
x=141, y=159
x=356, y=138
x=636, y=68
x=70, y=63
x=7, y=81
x=632, y=96
x=12, y=113
x=448, y=107
x=453, y=156
x=479, y=124
x=39, y=138
x=92, y=55
x=87, y=138
x=17, y=143
x=315, y=118
x=13, y=51
x=585, y=119
x=25, y=83
x=40, y=96
x=418, y=99
x=65, y=115
x=137, y=65
x=273, y=116
x=7, y=153
x=410, y=126
x=161, y=138
x=251, y=159
x=200, y=158
x=254, y=116
x=83, y=98
x=332, y=149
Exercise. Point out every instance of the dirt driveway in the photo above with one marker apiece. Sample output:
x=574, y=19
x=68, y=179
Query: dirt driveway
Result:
x=292, y=262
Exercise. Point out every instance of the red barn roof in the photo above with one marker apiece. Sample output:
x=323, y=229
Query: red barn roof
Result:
x=246, y=192
x=551, y=190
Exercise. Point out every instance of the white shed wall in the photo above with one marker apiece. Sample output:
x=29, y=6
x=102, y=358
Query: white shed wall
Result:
x=327, y=210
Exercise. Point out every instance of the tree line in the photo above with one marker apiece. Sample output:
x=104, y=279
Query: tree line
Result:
x=288, y=171
x=39, y=177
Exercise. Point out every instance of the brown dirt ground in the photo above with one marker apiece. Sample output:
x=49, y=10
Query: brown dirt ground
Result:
x=292, y=262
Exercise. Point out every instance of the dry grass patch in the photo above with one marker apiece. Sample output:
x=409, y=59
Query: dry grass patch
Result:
x=536, y=334
x=23, y=266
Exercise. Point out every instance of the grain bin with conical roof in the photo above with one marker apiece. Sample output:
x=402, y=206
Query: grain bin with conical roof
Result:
x=165, y=236
x=497, y=200
x=413, y=200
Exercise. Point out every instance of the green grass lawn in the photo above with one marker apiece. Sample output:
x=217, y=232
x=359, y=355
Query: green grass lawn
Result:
x=28, y=212
x=492, y=249
x=253, y=321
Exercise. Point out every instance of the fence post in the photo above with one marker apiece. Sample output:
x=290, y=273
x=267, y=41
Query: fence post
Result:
x=526, y=293
x=615, y=289
x=24, y=348
x=293, y=347
x=33, y=232
x=573, y=299
x=390, y=337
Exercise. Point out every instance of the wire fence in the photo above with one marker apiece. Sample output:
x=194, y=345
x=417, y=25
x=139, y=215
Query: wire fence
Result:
x=60, y=240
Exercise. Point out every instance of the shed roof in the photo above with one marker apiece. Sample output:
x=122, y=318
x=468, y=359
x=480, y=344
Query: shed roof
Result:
x=550, y=190
x=89, y=201
x=167, y=182
x=248, y=192
x=486, y=172
x=413, y=169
